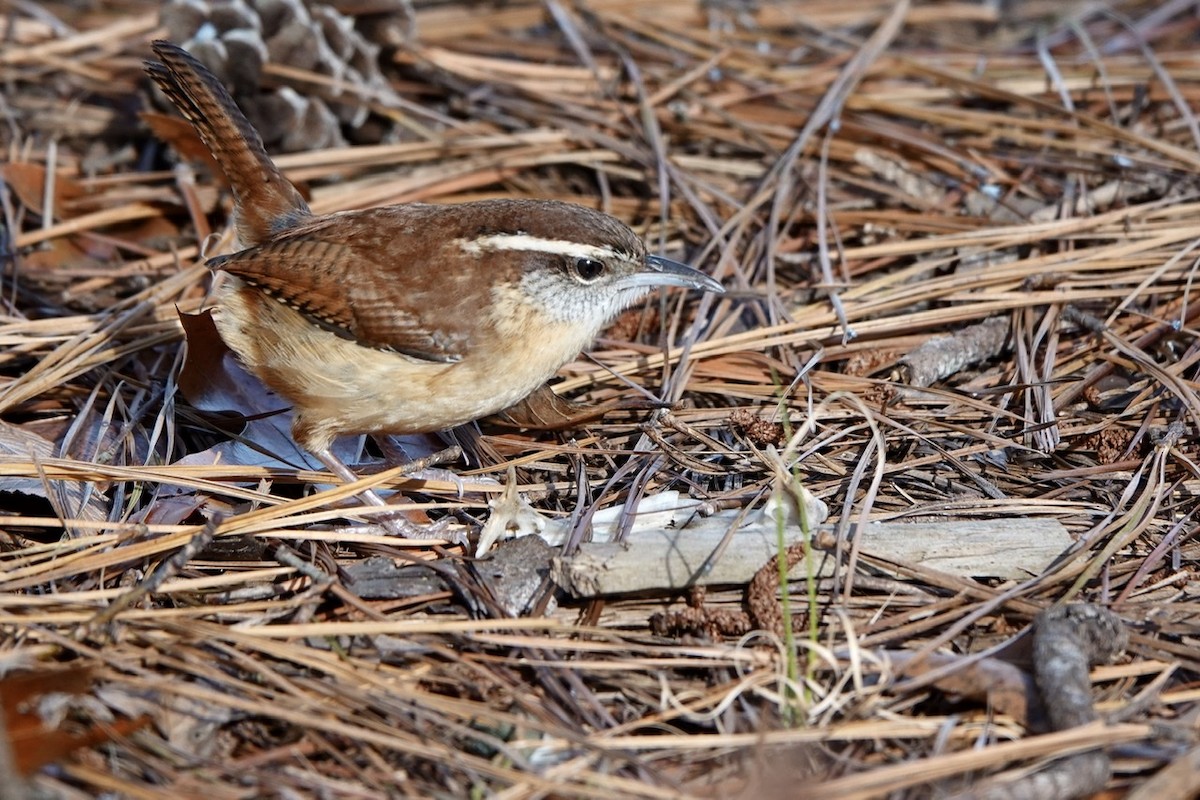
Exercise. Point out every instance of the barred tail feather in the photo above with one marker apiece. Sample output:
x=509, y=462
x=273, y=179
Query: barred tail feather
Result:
x=267, y=202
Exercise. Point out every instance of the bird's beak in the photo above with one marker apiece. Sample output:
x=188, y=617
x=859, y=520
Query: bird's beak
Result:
x=665, y=272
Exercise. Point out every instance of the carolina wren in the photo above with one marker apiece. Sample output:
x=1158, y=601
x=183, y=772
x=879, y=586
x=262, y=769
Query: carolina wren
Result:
x=409, y=318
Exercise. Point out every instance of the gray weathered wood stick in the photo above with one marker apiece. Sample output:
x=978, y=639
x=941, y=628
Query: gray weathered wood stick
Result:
x=669, y=558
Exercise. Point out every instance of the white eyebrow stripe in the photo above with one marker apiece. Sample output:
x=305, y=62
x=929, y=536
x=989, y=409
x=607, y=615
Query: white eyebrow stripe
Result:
x=523, y=241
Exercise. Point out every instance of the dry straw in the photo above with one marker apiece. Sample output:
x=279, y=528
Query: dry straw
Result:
x=861, y=176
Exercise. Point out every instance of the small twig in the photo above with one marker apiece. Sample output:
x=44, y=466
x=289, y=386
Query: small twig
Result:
x=1067, y=640
x=166, y=569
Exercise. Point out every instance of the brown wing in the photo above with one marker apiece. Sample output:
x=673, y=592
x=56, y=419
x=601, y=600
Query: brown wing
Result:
x=366, y=278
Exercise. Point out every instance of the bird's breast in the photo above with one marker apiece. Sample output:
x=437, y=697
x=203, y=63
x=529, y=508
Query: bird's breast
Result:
x=338, y=386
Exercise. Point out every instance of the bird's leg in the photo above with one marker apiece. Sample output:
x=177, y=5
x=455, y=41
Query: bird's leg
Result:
x=395, y=523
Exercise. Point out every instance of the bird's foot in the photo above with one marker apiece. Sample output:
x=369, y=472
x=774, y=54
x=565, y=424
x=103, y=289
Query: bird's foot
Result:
x=396, y=524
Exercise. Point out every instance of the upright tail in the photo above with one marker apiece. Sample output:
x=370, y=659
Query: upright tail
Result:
x=266, y=202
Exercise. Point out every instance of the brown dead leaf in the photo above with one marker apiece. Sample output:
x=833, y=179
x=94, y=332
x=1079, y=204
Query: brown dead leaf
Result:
x=181, y=136
x=547, y=411
x=41, y=267
x=1005, y=687
x=17, y=445
x=36, y=741
x=28, y=182
x=211, y=379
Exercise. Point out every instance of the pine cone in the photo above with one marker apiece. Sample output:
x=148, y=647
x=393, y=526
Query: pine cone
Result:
x=236, y=38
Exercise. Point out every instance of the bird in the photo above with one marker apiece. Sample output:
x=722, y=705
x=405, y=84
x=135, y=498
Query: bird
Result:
x=408, y=318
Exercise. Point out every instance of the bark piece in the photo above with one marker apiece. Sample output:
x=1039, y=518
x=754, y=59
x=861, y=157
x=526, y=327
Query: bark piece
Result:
x=675, y=558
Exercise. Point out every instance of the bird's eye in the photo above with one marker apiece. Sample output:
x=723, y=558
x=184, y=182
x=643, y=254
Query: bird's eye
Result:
x=588, y=269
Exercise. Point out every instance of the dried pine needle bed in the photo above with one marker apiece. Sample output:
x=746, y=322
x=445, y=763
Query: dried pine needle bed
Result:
x=190, y=608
